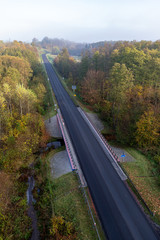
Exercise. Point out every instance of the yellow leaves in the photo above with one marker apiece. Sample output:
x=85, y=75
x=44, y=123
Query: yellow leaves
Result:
x=62, y=229
x=147, y=134
x=25, y=98
x=2, y=101
x=115, y=53
x=139, y=90
x=6, y=88
x=40, y=91
x=20, y=125
x=20, y=64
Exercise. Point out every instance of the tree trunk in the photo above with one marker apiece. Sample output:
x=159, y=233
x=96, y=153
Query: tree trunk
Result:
x=21, y=109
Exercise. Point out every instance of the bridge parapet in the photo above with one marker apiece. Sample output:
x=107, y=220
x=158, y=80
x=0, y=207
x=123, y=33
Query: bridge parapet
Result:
x=70, y=150
x=106, y=147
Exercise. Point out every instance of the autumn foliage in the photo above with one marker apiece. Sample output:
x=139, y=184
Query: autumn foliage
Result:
x=121, y=81
x=21, y=92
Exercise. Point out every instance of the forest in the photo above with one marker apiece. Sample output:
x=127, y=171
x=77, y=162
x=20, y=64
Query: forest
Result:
x=121, y=82
x=55, y=45
x=22, y=132
x=22, y=92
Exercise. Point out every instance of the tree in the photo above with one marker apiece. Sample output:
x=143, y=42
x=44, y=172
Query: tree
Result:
x=85, y=64
x=40, y=91
x=120, y=82
x=121, y=79
x=2, y=107
x=64, y=63
x=133, y=59
x=26, y=99
x=8, y=92
x=92, y=87
x=35, y=42
x=11, y=76
x=148, y=130
x=21, y=65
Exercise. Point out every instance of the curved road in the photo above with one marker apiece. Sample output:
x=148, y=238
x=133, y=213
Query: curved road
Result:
x=120, y=215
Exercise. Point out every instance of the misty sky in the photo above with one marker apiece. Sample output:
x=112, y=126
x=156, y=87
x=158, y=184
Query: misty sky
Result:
x=80, y=20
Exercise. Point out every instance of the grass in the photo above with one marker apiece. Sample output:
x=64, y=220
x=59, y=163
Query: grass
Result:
x=50, y=113
x=51, y=57
x=140, y=172
x=77, y=58
x=69, y=203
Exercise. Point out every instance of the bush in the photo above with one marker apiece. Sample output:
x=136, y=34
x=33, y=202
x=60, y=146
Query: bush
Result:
x=62, y=229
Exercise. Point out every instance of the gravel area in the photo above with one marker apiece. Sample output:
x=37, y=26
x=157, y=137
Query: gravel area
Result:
x=60, y=164
x=123, y=156
x=53, y=127
x=95, y=120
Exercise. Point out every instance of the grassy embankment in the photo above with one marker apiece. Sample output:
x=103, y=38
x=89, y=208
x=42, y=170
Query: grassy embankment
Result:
x=141, y=173
x=140, y=170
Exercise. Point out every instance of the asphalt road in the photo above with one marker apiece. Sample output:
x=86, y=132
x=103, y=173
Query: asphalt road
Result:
x=120, y=215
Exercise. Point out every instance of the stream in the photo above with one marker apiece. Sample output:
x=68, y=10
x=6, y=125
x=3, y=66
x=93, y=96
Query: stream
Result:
x=31, y=184
x=31, y=211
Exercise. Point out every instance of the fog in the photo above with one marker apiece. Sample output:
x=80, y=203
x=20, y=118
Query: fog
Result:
x=80, y=21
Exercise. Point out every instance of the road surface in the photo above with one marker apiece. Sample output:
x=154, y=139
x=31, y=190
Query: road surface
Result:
x=119, y=213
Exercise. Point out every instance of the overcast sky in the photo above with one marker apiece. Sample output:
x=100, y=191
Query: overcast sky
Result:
x=80, y=20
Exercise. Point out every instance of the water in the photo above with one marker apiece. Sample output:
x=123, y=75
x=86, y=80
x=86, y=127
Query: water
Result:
x=55, y=144
x=31, y=184
x=31, y=211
